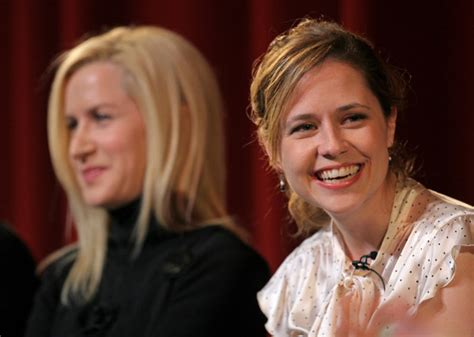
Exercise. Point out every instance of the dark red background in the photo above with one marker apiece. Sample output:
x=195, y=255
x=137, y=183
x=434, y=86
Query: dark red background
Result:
x=433, y=40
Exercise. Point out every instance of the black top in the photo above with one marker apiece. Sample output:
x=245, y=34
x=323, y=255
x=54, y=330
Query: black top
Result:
x=17, y=283
x=199, y=283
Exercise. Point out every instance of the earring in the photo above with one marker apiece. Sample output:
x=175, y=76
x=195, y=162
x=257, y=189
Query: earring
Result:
x=389, y=159
x=282, y=183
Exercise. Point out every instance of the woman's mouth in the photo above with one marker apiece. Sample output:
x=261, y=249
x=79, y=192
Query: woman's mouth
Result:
x=338, y=175
x=91, y=174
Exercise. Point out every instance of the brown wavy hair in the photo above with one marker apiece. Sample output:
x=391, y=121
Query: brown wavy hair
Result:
x=288, y=58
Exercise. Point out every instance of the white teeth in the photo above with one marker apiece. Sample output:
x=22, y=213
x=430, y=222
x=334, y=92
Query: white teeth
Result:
x=341, y=173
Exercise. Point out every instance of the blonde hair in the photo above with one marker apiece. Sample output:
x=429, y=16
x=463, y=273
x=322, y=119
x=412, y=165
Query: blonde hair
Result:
x=178, y=96
x=276, y=74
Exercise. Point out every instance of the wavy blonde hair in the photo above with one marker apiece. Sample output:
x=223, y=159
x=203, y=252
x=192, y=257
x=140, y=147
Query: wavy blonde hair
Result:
x=178, y=96
x=288, y=58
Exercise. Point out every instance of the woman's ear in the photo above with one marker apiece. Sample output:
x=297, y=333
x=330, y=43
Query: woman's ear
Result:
x=391, y=126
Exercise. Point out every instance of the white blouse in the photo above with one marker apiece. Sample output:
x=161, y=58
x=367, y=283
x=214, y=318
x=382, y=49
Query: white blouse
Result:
x=316, y=286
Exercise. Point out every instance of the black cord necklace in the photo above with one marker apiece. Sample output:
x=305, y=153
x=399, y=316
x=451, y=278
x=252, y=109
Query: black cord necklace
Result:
x=363, y=264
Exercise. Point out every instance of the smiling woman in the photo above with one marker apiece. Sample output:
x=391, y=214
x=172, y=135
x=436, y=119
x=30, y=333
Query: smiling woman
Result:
x=384, y=255
x=334, y=143
x=136, y=140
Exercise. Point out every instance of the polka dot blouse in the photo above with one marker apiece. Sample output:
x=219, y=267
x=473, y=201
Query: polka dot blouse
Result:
x=317, y=287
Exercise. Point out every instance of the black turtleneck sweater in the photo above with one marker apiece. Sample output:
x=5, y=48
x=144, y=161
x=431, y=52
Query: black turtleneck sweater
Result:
x=198, y=283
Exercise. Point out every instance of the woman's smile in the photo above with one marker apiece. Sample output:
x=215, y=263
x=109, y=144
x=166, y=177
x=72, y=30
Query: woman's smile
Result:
x=338, y=176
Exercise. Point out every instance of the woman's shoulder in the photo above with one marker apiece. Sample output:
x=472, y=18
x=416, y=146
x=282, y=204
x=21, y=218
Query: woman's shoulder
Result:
x=441, y=227
x=432, y=202
x=443, y=213
x=309, y=258
x=444, y=206
x=55, y=267
x=217, y=242
x=295, y=277
x=425, y=208
x=222, y=256
x=439, y=223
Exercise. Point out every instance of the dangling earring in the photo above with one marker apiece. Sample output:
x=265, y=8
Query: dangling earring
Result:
x=282, y=183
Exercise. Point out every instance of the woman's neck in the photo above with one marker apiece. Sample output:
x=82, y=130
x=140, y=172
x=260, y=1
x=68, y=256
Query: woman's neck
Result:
x=127, y=213
x=363, y=230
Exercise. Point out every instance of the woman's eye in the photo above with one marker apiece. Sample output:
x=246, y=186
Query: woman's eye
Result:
x=303, y=127
x=354, y=118
x=71, y=123
x=100, y=116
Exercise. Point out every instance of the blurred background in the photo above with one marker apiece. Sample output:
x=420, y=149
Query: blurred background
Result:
x=432, y=40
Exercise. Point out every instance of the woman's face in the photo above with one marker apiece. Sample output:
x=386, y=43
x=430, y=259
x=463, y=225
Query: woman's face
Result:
x=107, y=146
x=334, y=141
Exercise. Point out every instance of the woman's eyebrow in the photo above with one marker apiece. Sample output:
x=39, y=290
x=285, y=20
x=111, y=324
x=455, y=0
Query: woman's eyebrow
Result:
x=300, y=117
x=345, y=107
x=351, y=106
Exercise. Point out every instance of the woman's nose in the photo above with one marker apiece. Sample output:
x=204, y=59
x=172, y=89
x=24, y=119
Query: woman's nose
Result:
x=81, y=145
x=332, y=143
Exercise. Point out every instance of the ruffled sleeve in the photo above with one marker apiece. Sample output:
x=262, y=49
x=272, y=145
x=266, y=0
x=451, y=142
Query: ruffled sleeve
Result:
x=444, y=247
x=299, y=291
x=274, y=298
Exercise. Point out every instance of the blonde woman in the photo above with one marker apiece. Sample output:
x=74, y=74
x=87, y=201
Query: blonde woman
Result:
x=136, y=140
x=383, y=255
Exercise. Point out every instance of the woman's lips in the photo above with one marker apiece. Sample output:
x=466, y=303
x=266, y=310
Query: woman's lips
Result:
x=338, y=173
x=91, y=174
x=338, y=177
